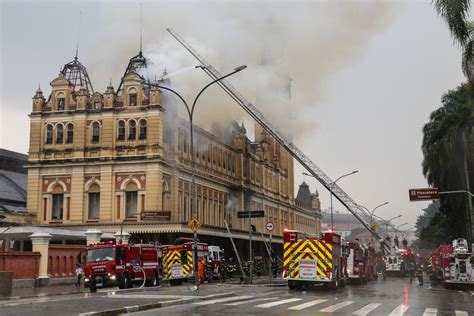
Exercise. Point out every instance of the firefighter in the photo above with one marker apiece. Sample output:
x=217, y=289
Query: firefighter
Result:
x=223, y=270
x=258, y=266
x=246, y=266
x=274, y=267
x=209, y=271
x=231, y=268
x=201, y=271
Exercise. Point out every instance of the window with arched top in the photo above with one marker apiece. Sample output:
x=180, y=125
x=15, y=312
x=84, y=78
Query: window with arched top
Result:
x=121, y=130
x=132, y=96
x=95, y=132
x=142, y=129
x=132, y=130
x=61, y=102
x=70, y=133
x=96, y=104
x=131, y=199
x=59, y=134
x=93, y=195
x=57, y=202
x=49, y=134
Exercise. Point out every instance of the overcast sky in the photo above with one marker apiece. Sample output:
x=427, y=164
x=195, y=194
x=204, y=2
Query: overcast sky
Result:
x=365, y=75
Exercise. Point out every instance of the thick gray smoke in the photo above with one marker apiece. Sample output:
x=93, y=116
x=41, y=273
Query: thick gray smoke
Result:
x=291, y=48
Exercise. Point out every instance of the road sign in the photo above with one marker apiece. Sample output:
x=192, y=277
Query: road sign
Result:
x=247, y=214
x=269, y=226
x=194, y=224
x=374, y=226
x=423, y=194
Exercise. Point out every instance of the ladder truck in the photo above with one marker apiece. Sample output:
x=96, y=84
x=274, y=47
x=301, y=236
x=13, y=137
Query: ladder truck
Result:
x=297, y=154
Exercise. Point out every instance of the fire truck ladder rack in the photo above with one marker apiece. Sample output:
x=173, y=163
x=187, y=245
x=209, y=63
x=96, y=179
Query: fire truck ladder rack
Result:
x=310, y=166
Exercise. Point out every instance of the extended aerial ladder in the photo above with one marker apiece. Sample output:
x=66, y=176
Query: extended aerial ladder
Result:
x=297, y=154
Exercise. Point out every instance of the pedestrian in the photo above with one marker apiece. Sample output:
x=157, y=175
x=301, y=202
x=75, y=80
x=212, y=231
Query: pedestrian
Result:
x=209, y=271
x=274, y=268
x=201, y=271
x=79, y=274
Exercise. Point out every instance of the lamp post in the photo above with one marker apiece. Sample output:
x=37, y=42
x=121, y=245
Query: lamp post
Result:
x=396, y=229
x=190, y=111
x=388, y=222
x=330, y=190
x=371, y=214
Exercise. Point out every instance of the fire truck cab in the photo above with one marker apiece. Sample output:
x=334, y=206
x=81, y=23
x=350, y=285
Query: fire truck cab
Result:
x=109, y=264
x=459, y=266
x=310, y=260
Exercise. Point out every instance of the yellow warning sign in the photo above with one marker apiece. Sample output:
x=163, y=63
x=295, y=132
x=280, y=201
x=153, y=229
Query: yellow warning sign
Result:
x=194, y=224
x=374, y=226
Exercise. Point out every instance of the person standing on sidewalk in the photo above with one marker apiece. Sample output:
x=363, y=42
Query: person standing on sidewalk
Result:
x=79, y=274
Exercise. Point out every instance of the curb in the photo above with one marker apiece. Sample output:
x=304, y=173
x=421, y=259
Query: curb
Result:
x=137, y=308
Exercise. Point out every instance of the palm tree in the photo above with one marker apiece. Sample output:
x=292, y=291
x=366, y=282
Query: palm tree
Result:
x=448, y=157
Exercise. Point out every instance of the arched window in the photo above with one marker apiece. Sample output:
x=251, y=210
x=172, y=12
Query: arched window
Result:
x=94, y=201
x=95, y=132
x=132, y=130
x=121, y=130
x=61, y=100
x=142, y=129
x=132, y=95
x=96, y=104
x=70, y=133
x=49, y=134
x=57, y=205
x=131, y=197
x=59, y=134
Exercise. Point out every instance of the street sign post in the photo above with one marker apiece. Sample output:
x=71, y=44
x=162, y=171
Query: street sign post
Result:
x=250, y=214
x=423, y=194
x=269, y=226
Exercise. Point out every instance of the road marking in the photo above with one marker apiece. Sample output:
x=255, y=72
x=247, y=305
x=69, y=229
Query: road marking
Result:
x=460, y=313
x=335, y=307
x=306, y=305
x=367, y=309
x=399, y=310
x=253, y=301
x=268, y=305
x=227, y=299
x=430, y=311
x=131, y=296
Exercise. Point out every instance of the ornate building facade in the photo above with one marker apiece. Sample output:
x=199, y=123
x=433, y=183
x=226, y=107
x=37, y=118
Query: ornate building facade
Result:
x=122, y=159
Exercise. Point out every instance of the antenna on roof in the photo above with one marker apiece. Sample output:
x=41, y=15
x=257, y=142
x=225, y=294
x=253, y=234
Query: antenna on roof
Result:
x=141, y=25
x=78, y=33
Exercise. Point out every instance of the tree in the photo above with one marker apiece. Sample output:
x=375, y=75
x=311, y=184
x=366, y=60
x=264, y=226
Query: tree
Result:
x=423, y=220
x=448, y=159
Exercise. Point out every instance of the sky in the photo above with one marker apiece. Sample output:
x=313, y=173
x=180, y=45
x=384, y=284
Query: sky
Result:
x=350, y=82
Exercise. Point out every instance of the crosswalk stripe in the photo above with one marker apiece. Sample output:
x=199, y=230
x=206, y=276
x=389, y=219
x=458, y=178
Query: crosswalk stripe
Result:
x=252, y=301
x=367, y=309
x=222, y=300
x=268, y=305
x=430, y=311
x=306, y=305
x=460, y=313
x=399, y=310
x=335, y=307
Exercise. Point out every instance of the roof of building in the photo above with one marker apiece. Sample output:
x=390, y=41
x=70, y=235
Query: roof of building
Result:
x=303, y=198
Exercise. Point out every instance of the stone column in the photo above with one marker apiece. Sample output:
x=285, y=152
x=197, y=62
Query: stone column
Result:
x=125, y=236
x=40, y=243
x=93, y=236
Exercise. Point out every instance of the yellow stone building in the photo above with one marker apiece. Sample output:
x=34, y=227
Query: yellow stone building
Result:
x=122, y=157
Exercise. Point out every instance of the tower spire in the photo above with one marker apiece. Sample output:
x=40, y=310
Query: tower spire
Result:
x=141, y=25
x=78, y=34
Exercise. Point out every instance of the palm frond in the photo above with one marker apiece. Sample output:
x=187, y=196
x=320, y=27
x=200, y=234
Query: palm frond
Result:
x=455, y=13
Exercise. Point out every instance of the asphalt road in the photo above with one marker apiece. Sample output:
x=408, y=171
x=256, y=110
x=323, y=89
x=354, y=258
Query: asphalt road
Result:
x=390, y=297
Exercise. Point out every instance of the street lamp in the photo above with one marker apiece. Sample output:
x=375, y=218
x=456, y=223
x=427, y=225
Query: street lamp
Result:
x=330, y=190
x=388, y=222
x=190, y=112
x=373, y=211
x=396, y=229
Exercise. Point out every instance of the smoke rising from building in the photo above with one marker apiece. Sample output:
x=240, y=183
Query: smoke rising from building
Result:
x=291, y=48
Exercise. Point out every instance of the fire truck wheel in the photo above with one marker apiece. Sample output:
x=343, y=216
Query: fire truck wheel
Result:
x=124, y=281
x=93, y=288
x=154, y=281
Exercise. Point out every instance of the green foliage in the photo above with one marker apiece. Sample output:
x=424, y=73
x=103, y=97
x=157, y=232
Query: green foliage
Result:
x=424, y=219
x=445, y=150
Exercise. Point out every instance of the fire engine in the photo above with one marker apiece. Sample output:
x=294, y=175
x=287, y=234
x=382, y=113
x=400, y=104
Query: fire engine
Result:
x=109, y=264
x=360, y=263
x=178, y=259
x=309, y=260
x=398, y=258
x=215, y=255
x=453, y=265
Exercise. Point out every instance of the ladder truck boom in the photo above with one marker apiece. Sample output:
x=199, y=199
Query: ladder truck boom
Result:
x=297, y=154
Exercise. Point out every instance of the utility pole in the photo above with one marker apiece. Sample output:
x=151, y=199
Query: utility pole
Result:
x=250, y=248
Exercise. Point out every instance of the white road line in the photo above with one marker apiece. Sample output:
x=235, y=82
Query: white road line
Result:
x=367, y=309
x=131, y=296
x=306, y=305
x=268, y=305
x=253, y=301
x=221, y=300
x=430, y=312
x=335, y=307
x=399, y=310
x=461, y=313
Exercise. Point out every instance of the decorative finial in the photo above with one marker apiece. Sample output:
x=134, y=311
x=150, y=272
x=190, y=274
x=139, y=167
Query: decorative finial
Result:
x=78, y=34
x=141, y=26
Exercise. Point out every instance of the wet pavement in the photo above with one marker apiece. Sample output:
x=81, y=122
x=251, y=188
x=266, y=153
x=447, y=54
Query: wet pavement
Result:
x=390, y=297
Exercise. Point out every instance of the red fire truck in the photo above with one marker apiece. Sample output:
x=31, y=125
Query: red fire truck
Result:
x=452, y=265
x=109, y=264
x=360, y=263
x=310, y=260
